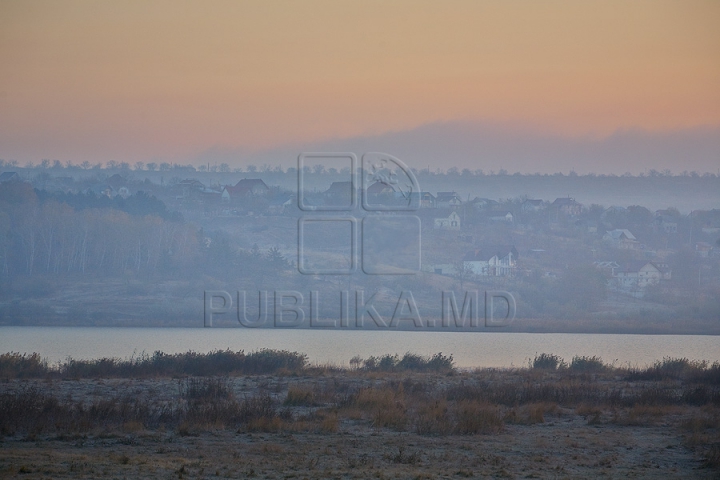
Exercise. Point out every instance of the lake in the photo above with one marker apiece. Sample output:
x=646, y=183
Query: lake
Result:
x=470, y=349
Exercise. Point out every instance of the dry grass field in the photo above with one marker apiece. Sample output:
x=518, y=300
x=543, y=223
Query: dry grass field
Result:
x=387, y=417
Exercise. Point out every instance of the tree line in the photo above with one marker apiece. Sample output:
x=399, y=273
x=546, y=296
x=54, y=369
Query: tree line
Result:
x=39, y=233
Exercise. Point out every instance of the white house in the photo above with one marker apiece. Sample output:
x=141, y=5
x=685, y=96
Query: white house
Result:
x=493, y=261
x=451, y=222
x=502, y=217
x=531, y=205
x=448, y=200
x=621, y=238
x=639, y=275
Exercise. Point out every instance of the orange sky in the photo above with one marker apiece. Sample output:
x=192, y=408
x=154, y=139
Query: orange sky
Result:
x=135, y=80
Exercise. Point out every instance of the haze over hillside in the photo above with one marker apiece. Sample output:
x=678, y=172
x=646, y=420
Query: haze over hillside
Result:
x=495, y=147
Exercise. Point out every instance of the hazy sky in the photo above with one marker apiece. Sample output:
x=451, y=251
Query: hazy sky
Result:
x=141, y=80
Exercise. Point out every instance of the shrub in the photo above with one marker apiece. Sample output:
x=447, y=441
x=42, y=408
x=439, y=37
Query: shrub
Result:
x=432, y=418
x=205, y=389
x=547, y=361
x=672, y=368
x=297, y=396
x=16, y=365
x=409, y=362
x=587, y=364
x=473, y=417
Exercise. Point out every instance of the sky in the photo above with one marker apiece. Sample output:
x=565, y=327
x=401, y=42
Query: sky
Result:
x=180, y=81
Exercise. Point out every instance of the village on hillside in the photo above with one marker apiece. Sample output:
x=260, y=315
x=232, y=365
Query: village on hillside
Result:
x=610, y=256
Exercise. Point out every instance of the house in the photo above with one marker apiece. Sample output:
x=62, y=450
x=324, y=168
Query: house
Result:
x=621, y=238
x=531, y=206
x=441, y=269
x=567, y=206
x=247, y=187
x=451, y=222
x=9, y=177
x=339, y=193
x=609, y=266
x=102, y=190
x=190, y=186
x=703, y=249
x=501, y=217
x=116, y=181
x=665, y=270
x=379, y=188
x=493, y=261
x=422, y=199
x=279, y=204
x=482, y=203
x=448, y=200
x=710, y=228
x=342, y=189
x=666, y=224
x=639, y=275
x=123, y=192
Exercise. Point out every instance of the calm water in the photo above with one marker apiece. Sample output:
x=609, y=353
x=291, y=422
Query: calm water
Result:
x=338, y=347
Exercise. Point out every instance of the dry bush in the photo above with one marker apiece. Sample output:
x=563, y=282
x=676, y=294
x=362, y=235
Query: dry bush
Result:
x=591, y=413
x=16, y=365
x=642, y=415
x=385, y=404
x=299, y=396
x=472, y=417
x=205, y=389
x=548, y=361
x=330, y=423
x=432, y=418
x=587, y=364
x=409, y=362
x=530, y=414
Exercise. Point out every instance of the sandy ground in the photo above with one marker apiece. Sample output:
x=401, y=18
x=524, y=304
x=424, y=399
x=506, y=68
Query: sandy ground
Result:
x=566, y=443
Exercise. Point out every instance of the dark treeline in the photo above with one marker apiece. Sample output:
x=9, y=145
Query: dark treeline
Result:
x=138, y=204
x=43, y=233
x=57, y=167
x=61, y=233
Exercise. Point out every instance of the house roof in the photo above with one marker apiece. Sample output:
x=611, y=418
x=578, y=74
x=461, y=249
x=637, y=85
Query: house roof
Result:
x=447, y=195
x=607, y=264
x=483, y=201
x=7, y=176
x=246, y=186
x=116, y=180
x=636, y=266
x=502, y=214
x=251, y=183
x=663, y=267
x=485, y=253
x=564, y=201
x=340, y=188
x=665, y=219
x=192, y=182
x=380, y=187
x=618, y=234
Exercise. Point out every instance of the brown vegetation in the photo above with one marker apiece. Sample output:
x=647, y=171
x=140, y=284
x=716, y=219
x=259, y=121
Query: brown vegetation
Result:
x=278, y=393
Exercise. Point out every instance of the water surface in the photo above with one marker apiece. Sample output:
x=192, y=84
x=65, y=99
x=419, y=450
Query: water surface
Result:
x=471, y=349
